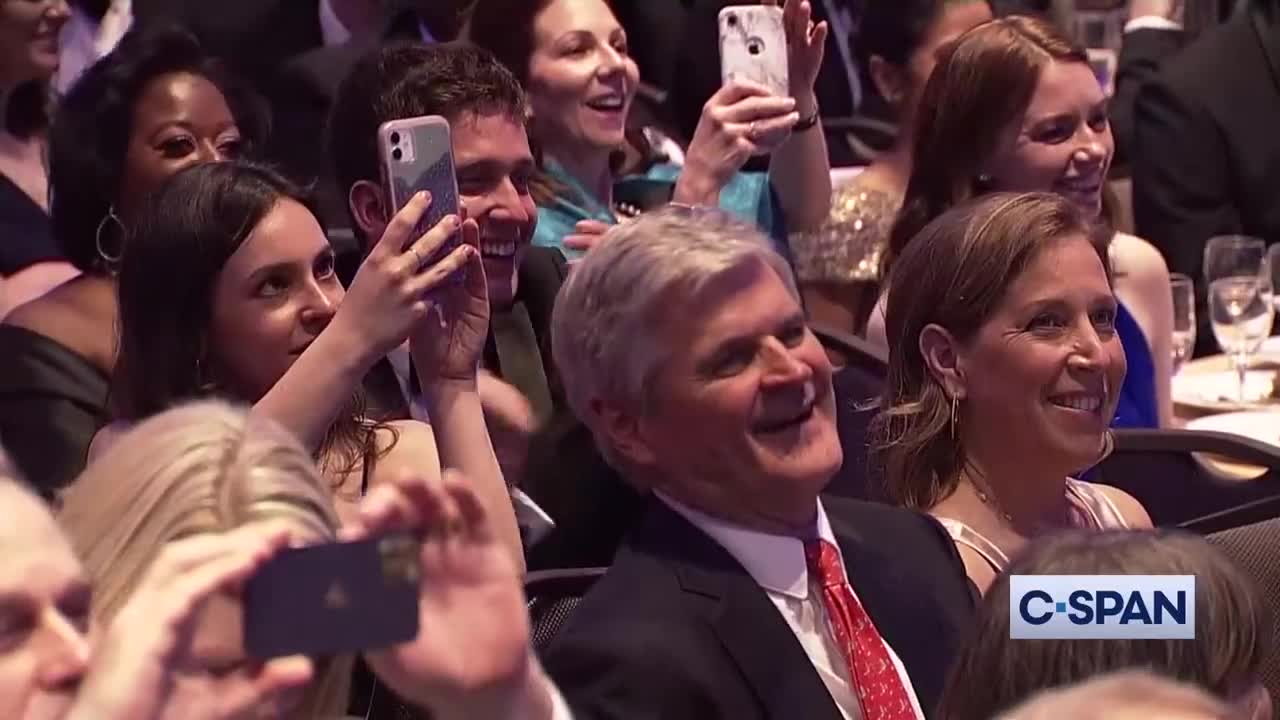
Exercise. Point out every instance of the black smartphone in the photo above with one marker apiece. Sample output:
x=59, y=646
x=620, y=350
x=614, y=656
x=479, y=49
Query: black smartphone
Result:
x=334, y=598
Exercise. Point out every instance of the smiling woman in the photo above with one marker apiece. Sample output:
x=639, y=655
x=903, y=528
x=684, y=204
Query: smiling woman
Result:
x=1004, y=370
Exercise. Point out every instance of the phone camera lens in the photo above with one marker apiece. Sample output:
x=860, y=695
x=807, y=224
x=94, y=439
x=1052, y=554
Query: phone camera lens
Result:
x=395, y=138
x=754, y=47
x=396, y=154
x=732, y=20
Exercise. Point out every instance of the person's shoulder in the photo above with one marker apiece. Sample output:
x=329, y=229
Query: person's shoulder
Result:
x=883, y=525
x=1131, y=511
x=1140, y=259
x=1203, y=64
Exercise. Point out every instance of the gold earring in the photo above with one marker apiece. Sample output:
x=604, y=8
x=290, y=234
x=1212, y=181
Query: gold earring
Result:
x=955, y=402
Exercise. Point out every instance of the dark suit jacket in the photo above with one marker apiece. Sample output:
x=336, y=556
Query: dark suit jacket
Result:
x=1141, y=57
x=253, y=36
x=1206, y=157
x=542, y=272
x=678, y=629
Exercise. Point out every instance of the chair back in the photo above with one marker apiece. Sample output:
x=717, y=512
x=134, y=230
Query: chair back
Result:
x=1254, y=549
x=1159, y=468
x=553, y=596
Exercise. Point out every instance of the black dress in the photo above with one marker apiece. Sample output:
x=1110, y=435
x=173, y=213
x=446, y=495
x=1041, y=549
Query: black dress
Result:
x=52, y=401
x=26, y=237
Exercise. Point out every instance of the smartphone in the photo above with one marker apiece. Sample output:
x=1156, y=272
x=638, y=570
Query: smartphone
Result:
x=334, y=598
x=753, y=46
x=417, y=154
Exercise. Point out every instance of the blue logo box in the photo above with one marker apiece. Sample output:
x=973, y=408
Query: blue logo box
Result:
x=1102, y=607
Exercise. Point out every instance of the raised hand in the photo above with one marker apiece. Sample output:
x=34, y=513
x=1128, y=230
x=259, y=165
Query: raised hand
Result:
x=740, y=120
x=134, y=660
x=446, y=346
x=586, y=235
x=472, y=656
x=389, y=296
x=806, y=45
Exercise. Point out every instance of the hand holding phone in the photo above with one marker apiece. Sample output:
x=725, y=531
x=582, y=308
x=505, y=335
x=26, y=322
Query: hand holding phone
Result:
x=334, y=598
x=417, y=156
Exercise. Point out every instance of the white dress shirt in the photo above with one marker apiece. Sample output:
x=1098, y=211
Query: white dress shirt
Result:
x=777, y=564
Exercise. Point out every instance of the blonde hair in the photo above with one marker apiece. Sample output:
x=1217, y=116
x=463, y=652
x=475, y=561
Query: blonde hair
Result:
x=204, y=467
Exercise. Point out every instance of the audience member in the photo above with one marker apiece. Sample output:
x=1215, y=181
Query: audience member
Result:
x=1014, y=106
x=156, y=104
x=227, y=289
x=1206, y=156
x=572, y=58
x=485, y=108
x=49, y=670
x=206, y=471
x=1123, y=695
x=730, y=598
x=839, y=265
x=303, y=90
x=839, y=87
x=1232, y=628
x=1004, y=371
x=30, y=261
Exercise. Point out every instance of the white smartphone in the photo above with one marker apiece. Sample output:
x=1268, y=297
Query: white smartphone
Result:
x=753, y=46
x=417, y=154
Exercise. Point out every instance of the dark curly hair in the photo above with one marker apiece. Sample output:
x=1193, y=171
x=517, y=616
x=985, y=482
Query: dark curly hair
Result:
x=91, y=128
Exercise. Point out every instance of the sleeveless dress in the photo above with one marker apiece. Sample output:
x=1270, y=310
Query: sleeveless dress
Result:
x=1089, y=509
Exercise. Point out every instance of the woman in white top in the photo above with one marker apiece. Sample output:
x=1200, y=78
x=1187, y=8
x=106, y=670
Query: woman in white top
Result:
x=1004, y=372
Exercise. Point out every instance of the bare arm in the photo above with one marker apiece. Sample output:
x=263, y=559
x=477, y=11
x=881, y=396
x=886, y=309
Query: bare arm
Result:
x=1142, y=283
x=800, y=173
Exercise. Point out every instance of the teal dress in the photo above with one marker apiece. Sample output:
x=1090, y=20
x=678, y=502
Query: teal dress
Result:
x=748, y=195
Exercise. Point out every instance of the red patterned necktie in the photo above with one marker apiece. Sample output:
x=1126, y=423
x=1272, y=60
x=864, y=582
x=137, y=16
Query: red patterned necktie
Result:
x=879, y=688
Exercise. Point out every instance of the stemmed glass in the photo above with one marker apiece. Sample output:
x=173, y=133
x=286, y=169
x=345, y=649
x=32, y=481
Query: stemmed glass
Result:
x=1240, y=297
x=1184, y=319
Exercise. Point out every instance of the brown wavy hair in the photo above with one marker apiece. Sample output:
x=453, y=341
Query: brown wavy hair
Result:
x=955, y=275
x=984, y=80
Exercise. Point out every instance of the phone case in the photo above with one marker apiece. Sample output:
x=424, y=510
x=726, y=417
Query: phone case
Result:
x=417, y=154
x=334, y=598
x=753, y=46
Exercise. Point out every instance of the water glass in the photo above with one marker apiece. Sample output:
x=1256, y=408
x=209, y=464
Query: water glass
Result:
x=1184, y=319
x=1240, y=312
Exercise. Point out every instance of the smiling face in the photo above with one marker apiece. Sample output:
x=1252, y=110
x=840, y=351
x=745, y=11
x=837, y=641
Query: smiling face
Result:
x=179, y=120
x=29, y=40
x=742, y=418
x=581, y=77
x=494, y=165
x=271, y=299
x=1041, y=379
x=44, y=611
x=1063, y=142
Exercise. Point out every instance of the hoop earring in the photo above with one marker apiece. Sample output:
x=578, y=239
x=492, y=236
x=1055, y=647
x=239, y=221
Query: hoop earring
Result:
x=984, y=180
x=109, y=260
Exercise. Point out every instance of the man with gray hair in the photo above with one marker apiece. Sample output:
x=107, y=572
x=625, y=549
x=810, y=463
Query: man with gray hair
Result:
x=683, y=346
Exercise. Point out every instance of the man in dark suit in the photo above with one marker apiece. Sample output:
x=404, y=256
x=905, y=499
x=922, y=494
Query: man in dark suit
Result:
x=740, y=593
x=485, y=108
x=1206, y=157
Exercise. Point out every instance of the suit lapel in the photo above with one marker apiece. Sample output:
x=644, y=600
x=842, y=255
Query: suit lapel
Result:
x=752, y=631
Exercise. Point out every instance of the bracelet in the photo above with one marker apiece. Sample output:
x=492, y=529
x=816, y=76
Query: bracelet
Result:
x=806, y=123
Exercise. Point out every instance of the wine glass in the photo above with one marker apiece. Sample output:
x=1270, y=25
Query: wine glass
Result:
x=1240, y=298
x=1273, y=261
x=1184, y=318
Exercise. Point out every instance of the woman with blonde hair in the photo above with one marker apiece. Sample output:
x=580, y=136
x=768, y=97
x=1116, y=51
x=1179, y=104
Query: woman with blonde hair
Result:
x=198, y=469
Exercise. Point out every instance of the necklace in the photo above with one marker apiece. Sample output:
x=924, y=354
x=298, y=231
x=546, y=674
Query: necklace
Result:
x=987, y=497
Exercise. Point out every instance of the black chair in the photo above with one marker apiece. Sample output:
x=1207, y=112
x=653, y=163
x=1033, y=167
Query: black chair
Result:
x=858, y=386
x=850, y=351
x=1254, y=549
x=1157, y=468
x=553, y=596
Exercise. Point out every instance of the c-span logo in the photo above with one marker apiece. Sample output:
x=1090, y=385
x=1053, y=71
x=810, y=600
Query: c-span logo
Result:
x=1102, y=607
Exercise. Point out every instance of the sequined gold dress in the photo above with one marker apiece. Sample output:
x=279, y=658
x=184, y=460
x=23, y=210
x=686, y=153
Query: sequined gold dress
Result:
x=849, y=246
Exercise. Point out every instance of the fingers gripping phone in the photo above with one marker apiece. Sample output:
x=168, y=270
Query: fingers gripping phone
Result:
x=417, y=155
x=753, y=46
x=334, y=598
